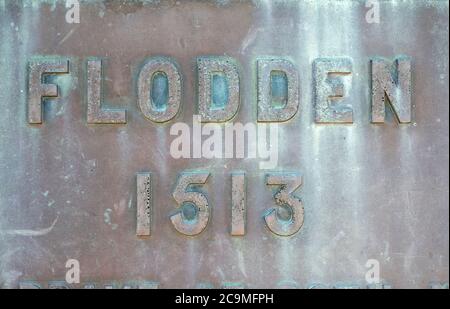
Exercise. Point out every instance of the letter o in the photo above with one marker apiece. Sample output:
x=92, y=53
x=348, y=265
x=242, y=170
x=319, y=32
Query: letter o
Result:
x=145, y=84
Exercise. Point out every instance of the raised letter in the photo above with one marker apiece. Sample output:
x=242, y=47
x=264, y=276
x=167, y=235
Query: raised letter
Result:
x=159, y=90
x=193, y=214
x=37, y=89
x=278, y=94
x=391, y=82
x=288, y=219
x=144, y=204
x=218, y=89
x=95, y=113
x=238, y=203
x=332, y=83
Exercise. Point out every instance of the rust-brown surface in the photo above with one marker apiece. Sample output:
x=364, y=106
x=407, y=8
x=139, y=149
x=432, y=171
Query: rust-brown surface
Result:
x=370, y=191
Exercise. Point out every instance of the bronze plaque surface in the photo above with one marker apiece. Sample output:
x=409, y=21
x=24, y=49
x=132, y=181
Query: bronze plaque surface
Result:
x=352, y=95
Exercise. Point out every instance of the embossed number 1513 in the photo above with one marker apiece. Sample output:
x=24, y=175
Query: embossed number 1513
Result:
x=193, y=211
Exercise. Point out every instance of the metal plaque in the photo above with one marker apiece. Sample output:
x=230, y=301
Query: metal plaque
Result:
x=224, y=144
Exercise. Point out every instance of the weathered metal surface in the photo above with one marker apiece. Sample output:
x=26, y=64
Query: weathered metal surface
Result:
x=371, y=188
